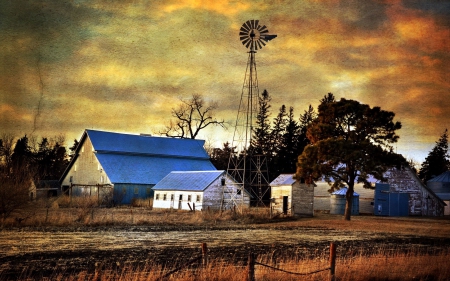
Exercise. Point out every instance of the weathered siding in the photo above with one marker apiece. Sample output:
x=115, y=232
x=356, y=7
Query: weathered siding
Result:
x=86, y=169
x=303, y=199
x=300, y=198
x=421, y=201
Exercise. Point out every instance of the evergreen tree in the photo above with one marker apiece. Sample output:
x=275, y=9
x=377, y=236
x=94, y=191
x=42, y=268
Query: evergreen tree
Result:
x=290, y=148
x=261, y=140
x=437, y=161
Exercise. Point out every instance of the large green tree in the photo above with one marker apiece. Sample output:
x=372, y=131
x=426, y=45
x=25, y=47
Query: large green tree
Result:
x=349, y=142
x=437, y=161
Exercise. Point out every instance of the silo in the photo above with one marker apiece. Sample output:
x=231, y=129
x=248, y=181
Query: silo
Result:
x=338, y=200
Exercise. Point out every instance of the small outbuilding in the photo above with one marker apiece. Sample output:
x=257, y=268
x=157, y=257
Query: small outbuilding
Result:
x=291, y=197
x=338, y=201
x=440, y=185
x=197, y=190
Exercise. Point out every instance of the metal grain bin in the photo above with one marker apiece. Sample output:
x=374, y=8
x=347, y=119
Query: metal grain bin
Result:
x=338, y=200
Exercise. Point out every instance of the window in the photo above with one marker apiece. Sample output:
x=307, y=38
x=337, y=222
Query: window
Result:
x=171, y=197
x=101, y=179
x=157, y=196
x=136, y=190
x=71, y=179
x=124, y=190
x=198, y=198
x=238, y=192
x=165, y=197
x=75, y=167
x=181, y=197
x=149, y=191
x=189, y=198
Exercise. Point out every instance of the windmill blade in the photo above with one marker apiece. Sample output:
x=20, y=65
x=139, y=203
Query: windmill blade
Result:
x=243, y=33
x=248, y=44
x=244, y=28
x=259, y=44
x=243, y=38
x=263, y=29
x=247, y=25
x=252, y=24
x=256, y=24
x=246, y=41
x=262, y=42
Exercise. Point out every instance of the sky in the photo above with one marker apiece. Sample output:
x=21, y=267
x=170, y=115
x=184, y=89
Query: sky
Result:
x=122, y=65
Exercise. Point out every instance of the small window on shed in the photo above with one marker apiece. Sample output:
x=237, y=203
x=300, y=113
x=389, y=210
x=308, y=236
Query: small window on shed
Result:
x=171, y=197
x=181, y=197
x=189, y=198
x=124, y=190
x=157, y=196
x=238, y=192
x=101, y=179
x=198, y=198
x=136, y=190
x=71, y=179
x=165, y=197
x=149, y=191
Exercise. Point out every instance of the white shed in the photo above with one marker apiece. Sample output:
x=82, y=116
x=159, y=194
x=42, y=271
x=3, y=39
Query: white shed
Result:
x=189, y=190
x=291, y=197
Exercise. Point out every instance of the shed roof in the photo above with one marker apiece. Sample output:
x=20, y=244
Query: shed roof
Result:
x=283, y=179
x=444, y=177
x=188, y=180
x=343, y=191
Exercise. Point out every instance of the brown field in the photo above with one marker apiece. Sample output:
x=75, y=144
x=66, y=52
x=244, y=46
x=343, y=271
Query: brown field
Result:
x=88, y=243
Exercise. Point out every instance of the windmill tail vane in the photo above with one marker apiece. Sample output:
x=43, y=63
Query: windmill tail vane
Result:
x=254, y=36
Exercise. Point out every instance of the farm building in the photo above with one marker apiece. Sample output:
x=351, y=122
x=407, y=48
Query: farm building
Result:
x=290, y=197
x=123, y=167
x=440, y=185
x=338, y=201
x=412, y=193
x=322, y=198
x=199, y=190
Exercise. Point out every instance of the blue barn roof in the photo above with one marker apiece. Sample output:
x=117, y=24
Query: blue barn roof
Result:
x=138, y=159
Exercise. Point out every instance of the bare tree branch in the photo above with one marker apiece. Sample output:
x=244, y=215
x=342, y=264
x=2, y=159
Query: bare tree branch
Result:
x=190, y=117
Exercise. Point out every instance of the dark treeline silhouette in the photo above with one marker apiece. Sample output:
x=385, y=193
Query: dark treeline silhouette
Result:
x=280, y=139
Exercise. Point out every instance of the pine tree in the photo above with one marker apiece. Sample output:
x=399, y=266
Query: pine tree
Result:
x=437, y=161
x=261, y=140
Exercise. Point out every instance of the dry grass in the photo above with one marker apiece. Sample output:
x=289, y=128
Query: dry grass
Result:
x=378, y=267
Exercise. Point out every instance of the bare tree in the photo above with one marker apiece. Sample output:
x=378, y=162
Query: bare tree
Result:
x=190, y=117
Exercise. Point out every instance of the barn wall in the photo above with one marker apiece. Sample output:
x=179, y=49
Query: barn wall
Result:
x=277, y=193
x=421, y=202
x=303, y=199
x=216, y=192
x=86, y=169
x=125, y=193
x=170, y=199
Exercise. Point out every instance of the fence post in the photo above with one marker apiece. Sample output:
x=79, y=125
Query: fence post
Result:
x=332, y=261
x=204, y=254
x=251, y=267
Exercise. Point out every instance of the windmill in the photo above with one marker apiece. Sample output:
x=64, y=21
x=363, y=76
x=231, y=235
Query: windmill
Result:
x=249, y=170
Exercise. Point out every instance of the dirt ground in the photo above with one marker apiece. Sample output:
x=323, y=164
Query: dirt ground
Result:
x=41, y=251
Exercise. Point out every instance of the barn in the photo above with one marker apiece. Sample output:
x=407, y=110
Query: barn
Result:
x=441, y=186
x=290, y=197
x=123, y=167
x=196, y=190
x=410, y=196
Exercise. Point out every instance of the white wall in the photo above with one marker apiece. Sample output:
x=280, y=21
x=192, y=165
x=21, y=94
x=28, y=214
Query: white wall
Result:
x=163, y=199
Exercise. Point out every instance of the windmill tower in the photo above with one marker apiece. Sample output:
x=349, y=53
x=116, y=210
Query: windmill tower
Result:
x=246, y=167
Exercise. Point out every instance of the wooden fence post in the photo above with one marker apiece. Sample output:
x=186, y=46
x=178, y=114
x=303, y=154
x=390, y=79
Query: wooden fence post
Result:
x=251, y=267
x=332, y=261
x=204, y=254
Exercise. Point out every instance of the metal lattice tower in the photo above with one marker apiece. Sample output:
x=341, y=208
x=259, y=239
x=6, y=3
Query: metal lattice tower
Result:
x=249, y=170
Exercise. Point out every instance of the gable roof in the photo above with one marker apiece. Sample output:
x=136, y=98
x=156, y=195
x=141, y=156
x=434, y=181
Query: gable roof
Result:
x=283, y=179
x=140, y=159
x=444, y=177
x=188, y=180
x=109, y=142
